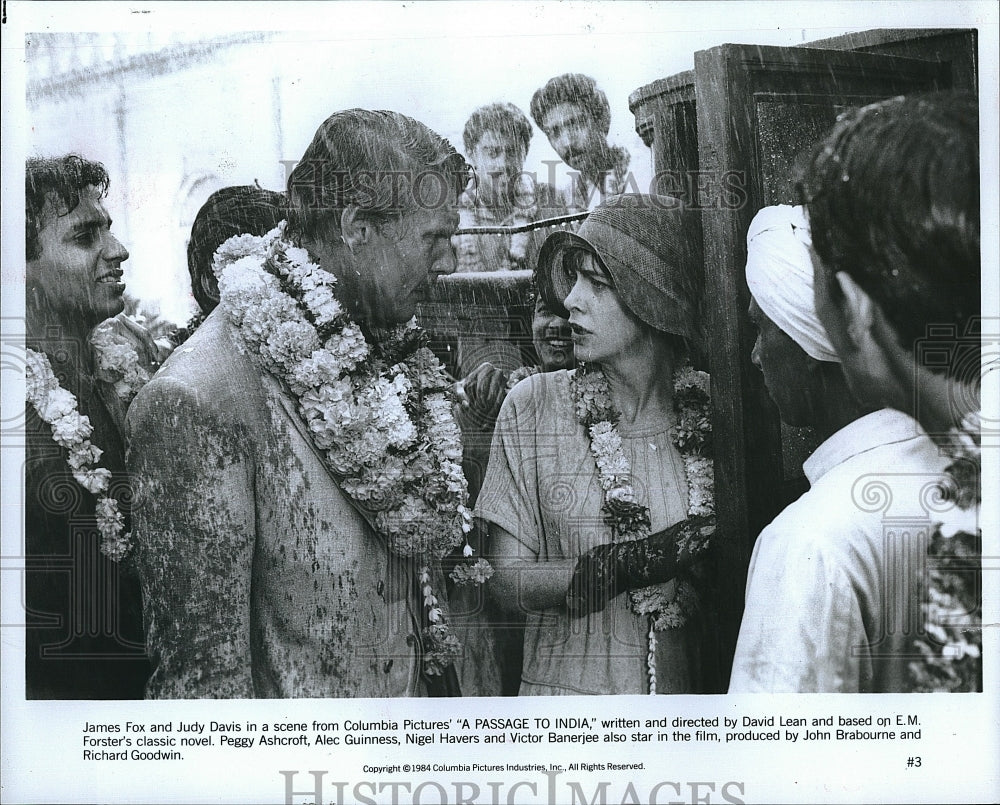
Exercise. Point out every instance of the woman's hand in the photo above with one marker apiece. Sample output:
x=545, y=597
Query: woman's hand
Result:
x=482, y=391
x=606, y=571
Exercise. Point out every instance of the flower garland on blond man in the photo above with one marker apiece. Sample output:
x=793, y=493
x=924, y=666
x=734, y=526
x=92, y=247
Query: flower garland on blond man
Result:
x=627, y=517
x=380, y=413
x=950, y=646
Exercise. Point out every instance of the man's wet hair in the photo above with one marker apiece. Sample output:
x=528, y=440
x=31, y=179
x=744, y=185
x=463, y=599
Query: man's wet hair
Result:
x=58, y=182
x=893, y=199
x=504, y=118
x=231, y=211
x=574, y=88
x=384, y=163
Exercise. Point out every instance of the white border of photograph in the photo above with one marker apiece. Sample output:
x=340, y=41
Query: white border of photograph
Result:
x=436, y=62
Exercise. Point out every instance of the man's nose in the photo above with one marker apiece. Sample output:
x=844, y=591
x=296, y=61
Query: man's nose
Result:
x=755, y=354
x=446, y=264
x=114, y=250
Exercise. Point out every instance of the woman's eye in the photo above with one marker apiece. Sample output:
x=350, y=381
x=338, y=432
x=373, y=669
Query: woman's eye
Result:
x=596, y=282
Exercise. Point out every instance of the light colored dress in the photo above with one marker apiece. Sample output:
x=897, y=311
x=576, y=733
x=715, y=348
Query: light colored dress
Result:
x=542, y=487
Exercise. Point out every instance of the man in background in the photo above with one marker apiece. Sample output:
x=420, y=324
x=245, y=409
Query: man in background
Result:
x=496, y=138
x=576, y=117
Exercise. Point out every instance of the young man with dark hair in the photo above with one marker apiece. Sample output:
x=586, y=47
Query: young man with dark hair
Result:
x=576, y=117
x=893, y=200
x=83, y=627
x=496, y=138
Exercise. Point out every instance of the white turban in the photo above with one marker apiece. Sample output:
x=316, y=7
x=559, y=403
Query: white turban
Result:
x=780, y=277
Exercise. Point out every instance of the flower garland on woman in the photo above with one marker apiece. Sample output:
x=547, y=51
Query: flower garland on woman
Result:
x=628, y=518
x=378, y=409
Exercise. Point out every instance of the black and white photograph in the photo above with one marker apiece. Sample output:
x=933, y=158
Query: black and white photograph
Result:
x=375, y=372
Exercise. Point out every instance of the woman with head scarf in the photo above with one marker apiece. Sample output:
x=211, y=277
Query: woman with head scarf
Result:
x=594, y=474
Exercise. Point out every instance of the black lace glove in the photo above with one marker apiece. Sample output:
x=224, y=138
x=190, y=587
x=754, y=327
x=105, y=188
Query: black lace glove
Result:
x=608, y=570
x=481, y=392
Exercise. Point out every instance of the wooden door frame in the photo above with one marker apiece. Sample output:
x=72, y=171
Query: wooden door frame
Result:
x=746, y=427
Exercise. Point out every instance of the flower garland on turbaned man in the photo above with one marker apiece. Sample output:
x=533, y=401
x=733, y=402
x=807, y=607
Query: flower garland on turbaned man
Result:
x=379, y=410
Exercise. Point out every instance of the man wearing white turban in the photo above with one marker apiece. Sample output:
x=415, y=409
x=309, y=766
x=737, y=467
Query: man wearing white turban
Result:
x=827, y=607
x=780, y=277
x=802, y=372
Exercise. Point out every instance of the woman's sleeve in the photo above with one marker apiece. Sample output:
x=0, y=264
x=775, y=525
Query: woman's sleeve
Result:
x=194, y=531
x=509, y=496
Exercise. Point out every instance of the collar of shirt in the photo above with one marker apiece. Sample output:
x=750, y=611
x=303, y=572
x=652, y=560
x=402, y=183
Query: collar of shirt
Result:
x=870, y=431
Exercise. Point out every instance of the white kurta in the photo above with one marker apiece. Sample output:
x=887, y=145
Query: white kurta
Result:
x=835, y=582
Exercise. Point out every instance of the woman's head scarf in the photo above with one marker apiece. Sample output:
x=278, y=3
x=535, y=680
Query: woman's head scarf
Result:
x=649, y=247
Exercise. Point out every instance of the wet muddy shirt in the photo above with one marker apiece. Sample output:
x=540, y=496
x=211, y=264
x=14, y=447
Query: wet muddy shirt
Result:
x=260, y=579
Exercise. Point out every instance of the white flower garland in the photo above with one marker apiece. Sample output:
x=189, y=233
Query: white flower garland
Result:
x=380, y=414
x=118, y=360
x=628, y=518
x=58, y=408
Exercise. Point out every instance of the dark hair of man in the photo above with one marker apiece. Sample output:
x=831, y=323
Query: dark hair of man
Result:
x=573, y=88
x=893, y=200
x=378, y=161
x=227, y=212
x=57, y=181
x=504, y=118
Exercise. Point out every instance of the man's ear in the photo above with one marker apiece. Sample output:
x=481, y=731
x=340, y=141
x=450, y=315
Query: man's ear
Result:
x=355, y=230
x=858, y=309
